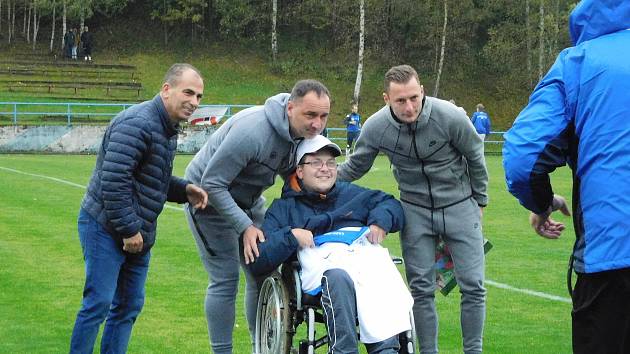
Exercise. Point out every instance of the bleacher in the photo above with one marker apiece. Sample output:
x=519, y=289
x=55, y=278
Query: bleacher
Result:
x=51, y=77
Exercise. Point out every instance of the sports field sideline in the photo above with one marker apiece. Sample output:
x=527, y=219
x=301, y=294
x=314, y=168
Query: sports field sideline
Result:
x=41, y=268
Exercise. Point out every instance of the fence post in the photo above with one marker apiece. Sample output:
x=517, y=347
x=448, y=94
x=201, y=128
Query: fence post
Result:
x=15, y=114
x=69, y=115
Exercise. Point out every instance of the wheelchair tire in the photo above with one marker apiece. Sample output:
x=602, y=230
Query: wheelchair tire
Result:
x=274, y=332
x=408, y=340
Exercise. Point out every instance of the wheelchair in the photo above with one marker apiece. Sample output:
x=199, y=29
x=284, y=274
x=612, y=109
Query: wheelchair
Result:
x=282, y=307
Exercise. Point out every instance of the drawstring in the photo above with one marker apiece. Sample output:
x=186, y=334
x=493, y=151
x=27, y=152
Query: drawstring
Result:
x=294, y=146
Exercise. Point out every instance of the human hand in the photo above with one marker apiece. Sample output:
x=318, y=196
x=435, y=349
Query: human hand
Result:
x=251, y=236
x=133, y=244
x=376, y=235
x=304, y=237
x=197, y=197
x=544, y=225
x=559, y=203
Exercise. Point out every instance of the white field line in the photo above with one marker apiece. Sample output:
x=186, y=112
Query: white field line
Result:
x=67, y=182
x=489, y=282
x=528, y=292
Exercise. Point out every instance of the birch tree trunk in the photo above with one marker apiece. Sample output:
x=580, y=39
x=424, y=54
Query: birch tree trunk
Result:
x=13, y=19
x=52, y=32
x=64, y=17
x=528, y=42
x=27, y=19
x=553, y=48
x=36, y=18
x=357, y=84
x=274, y=38
x=541, y=39
x=9, y=20
x=441, y=65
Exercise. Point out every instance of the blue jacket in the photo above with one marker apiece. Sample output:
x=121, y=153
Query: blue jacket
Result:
x=132, y=178
x=580, y=114
x=345, y=205
x=481, y=121
x=353, y=117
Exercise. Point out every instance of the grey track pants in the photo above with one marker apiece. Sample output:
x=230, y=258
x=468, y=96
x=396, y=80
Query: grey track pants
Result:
x=221, y=252
x=340, y=311
x=460, y=227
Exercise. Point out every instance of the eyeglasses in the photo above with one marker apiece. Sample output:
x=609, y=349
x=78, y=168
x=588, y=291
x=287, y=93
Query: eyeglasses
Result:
x=317, y=164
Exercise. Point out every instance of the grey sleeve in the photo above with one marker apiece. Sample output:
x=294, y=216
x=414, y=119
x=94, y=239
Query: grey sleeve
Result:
x=226, y=163
x=466, y=140
x=360, y=162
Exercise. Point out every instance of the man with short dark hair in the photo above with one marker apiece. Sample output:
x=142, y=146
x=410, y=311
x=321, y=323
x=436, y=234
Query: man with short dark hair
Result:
x=353, y=127
x=118, y=217
x=87, y=40
x=334, y=229
x=237, y=164
x=438, y=163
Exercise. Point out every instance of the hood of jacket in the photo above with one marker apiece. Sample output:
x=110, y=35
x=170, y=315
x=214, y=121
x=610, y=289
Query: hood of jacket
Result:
x=276, y=106
x=595, y=18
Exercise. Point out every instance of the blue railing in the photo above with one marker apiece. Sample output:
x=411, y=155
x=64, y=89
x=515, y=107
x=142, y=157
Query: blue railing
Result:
x=339, y=134
x=70, y=110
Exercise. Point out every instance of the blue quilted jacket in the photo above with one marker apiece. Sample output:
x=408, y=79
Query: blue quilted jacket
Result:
x=132, y=178
x=580, y=114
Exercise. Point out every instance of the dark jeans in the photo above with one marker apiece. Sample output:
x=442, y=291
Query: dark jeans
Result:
x=601, y=312
x=114, y=290
x=340, y=311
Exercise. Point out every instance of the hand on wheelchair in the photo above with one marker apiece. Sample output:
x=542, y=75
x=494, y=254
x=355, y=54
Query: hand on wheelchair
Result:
x=304, y=237
x=251, y=236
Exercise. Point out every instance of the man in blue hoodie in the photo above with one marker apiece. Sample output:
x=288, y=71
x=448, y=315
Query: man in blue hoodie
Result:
x=481, y=121
x=118, y=217
x=579, y=114
x=237, y=164
x=334, y=228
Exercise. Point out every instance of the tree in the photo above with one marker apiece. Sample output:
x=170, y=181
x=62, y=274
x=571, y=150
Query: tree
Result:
x=357, y=84
x=441, y=65
x=54, y=21
x=541, y=39
x=528, y=40
x=274, y=38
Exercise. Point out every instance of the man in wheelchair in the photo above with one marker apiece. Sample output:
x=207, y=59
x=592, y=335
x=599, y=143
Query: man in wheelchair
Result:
x=334, y=229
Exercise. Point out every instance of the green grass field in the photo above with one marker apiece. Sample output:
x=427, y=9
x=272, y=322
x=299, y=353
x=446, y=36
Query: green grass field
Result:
x=41, y=268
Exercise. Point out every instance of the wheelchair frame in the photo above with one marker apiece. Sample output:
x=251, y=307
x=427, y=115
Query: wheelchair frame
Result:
x=282, y=307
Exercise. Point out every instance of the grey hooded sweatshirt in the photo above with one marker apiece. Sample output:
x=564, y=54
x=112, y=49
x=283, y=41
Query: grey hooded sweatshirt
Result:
x=243, y=157
x=437, y=161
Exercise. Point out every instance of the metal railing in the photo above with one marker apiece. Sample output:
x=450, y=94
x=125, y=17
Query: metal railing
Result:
x=69, y=112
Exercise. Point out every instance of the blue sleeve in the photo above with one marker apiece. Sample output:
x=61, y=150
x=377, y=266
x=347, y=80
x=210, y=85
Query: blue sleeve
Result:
x=279, y=245
x=538, y=141
x=177, y=190
x=126, y=147
x=381, y=208
x=488, y=125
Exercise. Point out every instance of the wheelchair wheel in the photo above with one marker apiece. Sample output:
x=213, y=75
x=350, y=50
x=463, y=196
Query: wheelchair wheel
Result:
x=274, y=333
x=408, y=340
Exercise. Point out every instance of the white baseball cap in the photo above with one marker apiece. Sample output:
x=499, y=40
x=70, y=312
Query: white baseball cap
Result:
x=309, y=146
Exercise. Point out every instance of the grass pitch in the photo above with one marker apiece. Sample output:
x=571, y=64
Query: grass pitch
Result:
x=41, y=268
